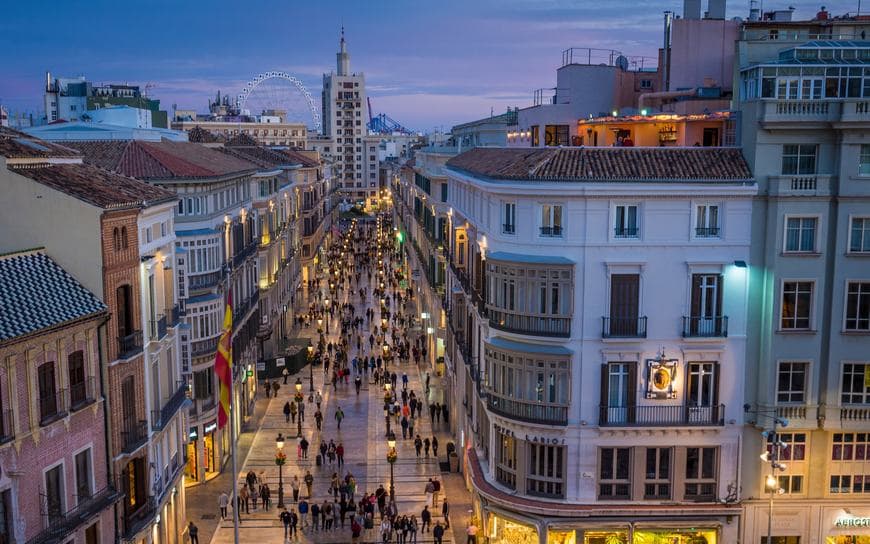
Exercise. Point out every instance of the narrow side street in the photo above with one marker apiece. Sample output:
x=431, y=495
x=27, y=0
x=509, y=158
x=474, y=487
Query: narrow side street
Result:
x=363, y=432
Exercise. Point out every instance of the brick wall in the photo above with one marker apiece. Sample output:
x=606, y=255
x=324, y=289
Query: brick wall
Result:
x=120, y=267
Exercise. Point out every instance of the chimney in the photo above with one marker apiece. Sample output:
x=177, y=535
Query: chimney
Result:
x=691, y=9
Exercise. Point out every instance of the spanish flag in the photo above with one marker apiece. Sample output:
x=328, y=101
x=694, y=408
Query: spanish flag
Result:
x=223, y=365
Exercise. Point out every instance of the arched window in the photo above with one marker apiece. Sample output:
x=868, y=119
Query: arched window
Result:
x=116, y=238
x=124, y=237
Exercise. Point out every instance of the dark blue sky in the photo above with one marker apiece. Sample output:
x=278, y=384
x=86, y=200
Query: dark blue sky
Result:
x=427, y=63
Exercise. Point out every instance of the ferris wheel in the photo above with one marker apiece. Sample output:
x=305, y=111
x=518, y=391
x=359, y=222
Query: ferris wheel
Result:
x=279, y=91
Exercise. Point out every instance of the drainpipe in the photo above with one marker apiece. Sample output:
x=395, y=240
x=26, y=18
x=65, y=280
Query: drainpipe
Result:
x=107, y=435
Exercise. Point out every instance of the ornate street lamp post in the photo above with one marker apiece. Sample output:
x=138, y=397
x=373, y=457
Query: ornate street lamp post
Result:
x=280, y=459
x=391, y=459
x=326, y=302
x=310, y=367
x=299, y=407
x=387, y=403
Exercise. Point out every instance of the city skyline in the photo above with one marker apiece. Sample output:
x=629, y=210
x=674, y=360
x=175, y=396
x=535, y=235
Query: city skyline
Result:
x=417, y=71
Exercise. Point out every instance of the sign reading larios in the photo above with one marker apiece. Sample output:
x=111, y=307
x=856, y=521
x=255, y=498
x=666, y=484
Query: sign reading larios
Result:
x=661, y=374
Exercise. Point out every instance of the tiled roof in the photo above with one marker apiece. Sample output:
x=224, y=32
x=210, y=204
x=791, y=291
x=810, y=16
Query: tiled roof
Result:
x=259, y=155
x=161, y=160
x=36, y=294
x=300, y=158
x=18, y=145
x=605, y=164
x=201, y=135
x=96, y=186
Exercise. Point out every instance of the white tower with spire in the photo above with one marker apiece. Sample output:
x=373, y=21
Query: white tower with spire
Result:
x=345, y=119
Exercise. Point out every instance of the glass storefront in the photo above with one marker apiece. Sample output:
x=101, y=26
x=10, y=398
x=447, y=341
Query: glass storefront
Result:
x=652, y=536
x=561, y=537
x=191, y=469
x=605, y=537
x=510, y=532
x=848, y=539
x=209, y=453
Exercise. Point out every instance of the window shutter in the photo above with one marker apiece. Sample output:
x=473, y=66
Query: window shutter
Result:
x=605, y=386
x=695, y=310
x=631, y=396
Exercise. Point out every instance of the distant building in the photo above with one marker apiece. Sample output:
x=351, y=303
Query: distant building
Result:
x=345, y=115
x=72, y=99
x=83, y=131
x=659, y=130
x=489, y=131
x=225, y=122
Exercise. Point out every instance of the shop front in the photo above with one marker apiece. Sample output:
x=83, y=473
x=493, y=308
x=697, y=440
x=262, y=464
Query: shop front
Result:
x=191, y=470
x=819, y=521
x=846, y=526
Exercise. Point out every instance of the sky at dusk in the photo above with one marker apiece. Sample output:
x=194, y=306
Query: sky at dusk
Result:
x=427, y=63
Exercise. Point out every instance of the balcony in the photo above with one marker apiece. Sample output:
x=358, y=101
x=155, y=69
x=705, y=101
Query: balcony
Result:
x=706, y=232
x=800, y=185
x=52, y=406
x=140, y=518
x=705, y=326
x=175, y=315
x=158, y=327
x=626, y=232
x=795, y=113
x=242, y=255
x=134, y=436
x=623, y=327
x=508, y=228
x=7, y=426
x=160, y=418
x=661, y=416
x=82, y=393
x=129, y=345
x=208, y=346
x=528, y=411
x=529, y=324
x=551, y=231
x=68, y=522
x=204, y=281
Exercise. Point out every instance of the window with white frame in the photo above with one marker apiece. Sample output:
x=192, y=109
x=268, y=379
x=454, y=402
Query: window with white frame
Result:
x=859, y=235
x=800, y=234
x=854, y=389
x=509, y=212
x=614, y=473
x=797, y=299
x=551, y=220
x=700, y=483
x=707, y=221
x=546, y=475
x=864, y=160
x=505, y=458
x=858, y=306
x=850, y=463
x=625, y=221
x=799, y=159
x=791, y=382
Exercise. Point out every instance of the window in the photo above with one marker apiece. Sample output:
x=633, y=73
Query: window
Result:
x=546, y=471
x=706, y=319
x=646, y=84
x=864, y=161
x=556, y=135
x=84, y=489
x=624, y=307
x=700, y=474
x=800, y=234
x=657, y=477
x=116, y=238
x=855, y=390
x=7, y=531
x=794, y=455
x=625, y=221
x=850, y=454
x=551, y=220
x=527, y=386
x=858, y=306
x=791, y=382
x=797, y=299
x=798, y=159
x=505, y=458
x=536, y=136
x=619, y=384
x=77, y=388
x=707, y=221
x=54, y=494
x=48, y=405
x=510, y=217
x=614, y=471
x=859, y=235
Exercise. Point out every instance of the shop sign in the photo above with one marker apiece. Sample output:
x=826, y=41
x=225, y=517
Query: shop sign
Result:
x=279, y=361
x=545, y=440
x=844, y=521
x=210, y=427
x=261, y=365
x=193, y=434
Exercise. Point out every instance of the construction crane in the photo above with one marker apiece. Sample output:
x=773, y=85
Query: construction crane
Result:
x=383, y=123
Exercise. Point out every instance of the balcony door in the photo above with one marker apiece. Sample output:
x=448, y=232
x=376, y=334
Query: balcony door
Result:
x=128, y=405
x=618, y=392
x=124, y=299
x=702, y=392
x=624, y=302
x=706, y=304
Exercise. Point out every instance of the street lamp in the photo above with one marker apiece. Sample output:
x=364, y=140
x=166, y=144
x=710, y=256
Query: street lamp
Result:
x=326, y=302
x=310, y=367
x=391, y=459
x=299, y=407
x=388, y=400
x=771, y=456
x=319, y=325
x=280, y=459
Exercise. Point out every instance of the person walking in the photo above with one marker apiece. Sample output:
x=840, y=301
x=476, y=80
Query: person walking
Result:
x=430, y=492
x=193, y=532
x=445, y=512
x=294, y=522
x=244, y=499
x=339, y=415
x=425, y=519
x=287, y=411
x=318, y=398
x=471, y=531
x=434, y=446
x=303, y=444
x=339, y=453
x=318, y=419
x=303, y=512
x=294, y=485
x=438, y=533
x=285, y=519
x=285, y=373
x=267, y=388
x=309, y=481
x=418, y=445
x=426, y=444
x=315, y=515
x=223, y=501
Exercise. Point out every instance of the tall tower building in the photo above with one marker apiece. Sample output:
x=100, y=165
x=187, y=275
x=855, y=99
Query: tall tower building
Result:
x=345, y=115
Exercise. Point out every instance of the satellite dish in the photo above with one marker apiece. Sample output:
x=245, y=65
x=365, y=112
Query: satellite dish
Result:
x=622, y=62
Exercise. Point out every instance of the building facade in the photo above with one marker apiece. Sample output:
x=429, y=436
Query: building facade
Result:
x=806, y=122
x=597, y=398
x=55, y=485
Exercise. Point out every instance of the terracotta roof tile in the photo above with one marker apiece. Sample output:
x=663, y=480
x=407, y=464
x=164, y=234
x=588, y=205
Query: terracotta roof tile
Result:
x=605, y=164
x=18, y=145
x=259, y=155
x=301, y=158
x=96, y=186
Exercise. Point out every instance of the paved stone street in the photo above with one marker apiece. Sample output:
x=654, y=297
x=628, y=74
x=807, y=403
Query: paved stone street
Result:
x=363, y=434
